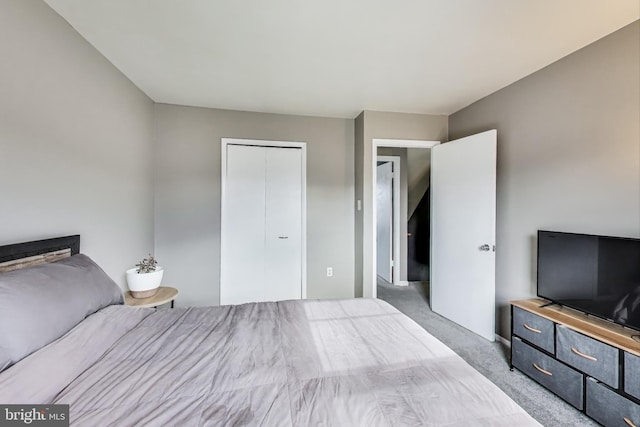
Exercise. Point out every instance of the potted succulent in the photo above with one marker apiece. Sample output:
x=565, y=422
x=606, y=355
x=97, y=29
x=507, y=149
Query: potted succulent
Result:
x=145, y=278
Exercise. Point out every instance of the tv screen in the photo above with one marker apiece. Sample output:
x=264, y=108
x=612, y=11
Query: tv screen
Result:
x=595, y=274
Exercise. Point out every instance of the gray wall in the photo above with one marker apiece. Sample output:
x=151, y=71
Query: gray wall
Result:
x=418, y=176
x=188, y=196
x=568, y=155
x=376, y=124
x=358, y=178
x=75, y=142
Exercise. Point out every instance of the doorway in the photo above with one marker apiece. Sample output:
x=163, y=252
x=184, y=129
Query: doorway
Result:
x=263, y=221
x=398, y=149
x=462, y=230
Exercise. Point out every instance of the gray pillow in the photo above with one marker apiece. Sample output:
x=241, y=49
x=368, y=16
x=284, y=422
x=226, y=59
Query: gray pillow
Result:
x=40, y=304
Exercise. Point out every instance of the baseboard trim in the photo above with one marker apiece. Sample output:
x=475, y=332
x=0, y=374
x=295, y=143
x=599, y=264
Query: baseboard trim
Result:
x=503, y=340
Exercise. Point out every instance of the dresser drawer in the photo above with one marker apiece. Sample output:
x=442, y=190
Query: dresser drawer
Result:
x=560, y=379
x=632, y=375
x=595, y=358
x=609, y=408
x=533, y=328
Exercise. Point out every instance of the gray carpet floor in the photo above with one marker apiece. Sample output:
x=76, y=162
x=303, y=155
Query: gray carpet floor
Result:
x=489, y=358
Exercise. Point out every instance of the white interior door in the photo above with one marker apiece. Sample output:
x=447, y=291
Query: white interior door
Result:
x=384, y=219
x=261, y=256
x=283, y=234
x=243, y=261
x=463, y=212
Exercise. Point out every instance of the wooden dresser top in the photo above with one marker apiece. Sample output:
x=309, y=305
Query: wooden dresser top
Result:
x=591, y=326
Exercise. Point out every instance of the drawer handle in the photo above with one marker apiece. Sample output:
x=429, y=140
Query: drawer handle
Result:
x=544, y=371
x=628, y=421
x=586, y=356
x=537, y=331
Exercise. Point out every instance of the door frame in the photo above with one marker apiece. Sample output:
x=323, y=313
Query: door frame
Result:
x=225, y=142
x=395, y=226
x=392, y=143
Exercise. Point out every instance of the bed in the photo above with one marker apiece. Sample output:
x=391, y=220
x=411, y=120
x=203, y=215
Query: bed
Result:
x=356, y=362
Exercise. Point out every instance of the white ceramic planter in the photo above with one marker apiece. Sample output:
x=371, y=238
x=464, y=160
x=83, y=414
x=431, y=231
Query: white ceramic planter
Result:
x=144, y=285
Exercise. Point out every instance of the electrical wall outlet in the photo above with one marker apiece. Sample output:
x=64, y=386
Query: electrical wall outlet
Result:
x=329, y=271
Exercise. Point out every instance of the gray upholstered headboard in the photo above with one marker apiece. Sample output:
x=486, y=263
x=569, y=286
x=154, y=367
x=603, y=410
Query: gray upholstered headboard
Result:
x=20, y=255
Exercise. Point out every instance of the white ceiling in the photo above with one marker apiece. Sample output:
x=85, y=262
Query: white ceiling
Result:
x=337, y=57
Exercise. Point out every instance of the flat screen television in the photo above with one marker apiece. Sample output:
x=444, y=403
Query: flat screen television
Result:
x=598, y=275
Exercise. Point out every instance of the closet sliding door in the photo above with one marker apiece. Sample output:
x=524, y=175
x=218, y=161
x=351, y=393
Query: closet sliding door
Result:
x=262, y=248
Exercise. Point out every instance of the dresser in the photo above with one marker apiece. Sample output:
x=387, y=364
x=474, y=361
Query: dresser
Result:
x=592, y=364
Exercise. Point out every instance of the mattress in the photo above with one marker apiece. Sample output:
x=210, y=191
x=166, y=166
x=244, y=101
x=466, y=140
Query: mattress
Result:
x=357, y=362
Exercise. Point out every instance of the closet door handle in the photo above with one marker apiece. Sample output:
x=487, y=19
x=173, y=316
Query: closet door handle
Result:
x=537, y=331
x=586, y=356
x=544, y=371
x=283, y=237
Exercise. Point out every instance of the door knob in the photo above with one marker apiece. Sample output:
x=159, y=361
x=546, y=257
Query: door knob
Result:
x=485, y=248
x=283, y=237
